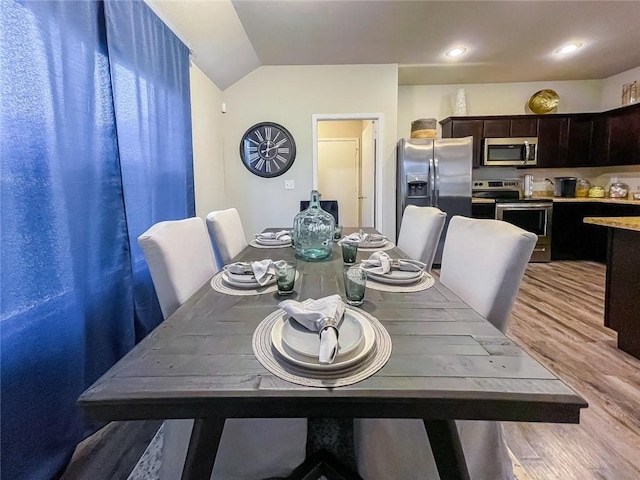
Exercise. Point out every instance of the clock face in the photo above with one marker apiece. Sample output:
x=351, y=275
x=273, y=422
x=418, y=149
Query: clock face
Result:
x=267, y=149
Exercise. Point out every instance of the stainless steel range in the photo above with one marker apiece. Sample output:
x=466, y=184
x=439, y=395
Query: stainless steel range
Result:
x=529, y=214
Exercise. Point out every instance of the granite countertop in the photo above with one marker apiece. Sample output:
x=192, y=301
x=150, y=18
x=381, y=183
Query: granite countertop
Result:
x=626, y=223
x=619, y=201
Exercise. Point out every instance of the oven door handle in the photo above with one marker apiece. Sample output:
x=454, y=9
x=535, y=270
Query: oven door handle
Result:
x=524, y=206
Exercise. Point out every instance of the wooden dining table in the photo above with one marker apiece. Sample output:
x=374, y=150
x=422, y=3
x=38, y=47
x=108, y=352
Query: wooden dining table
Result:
x=447, y=363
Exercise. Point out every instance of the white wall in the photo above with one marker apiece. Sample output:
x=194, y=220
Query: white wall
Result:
x=612, y=88
x=426, y=101
x=290, y=95
x=208, y=165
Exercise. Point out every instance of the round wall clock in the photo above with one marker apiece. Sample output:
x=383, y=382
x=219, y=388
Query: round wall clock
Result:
x=267, y=149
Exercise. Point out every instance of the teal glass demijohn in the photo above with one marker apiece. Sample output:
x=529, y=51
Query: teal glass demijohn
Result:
x=313, y=231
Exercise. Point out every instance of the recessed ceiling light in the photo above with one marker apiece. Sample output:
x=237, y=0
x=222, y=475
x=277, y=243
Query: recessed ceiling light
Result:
x=456, y=52
x=568, y=48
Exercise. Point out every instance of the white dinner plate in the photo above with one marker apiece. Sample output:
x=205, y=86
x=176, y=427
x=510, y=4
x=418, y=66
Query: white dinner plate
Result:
x=373, y=243
x=396, y=277
x=348, y=360
x=226, y=278
x=305, y=342
x=241, y=277
x=272, y=241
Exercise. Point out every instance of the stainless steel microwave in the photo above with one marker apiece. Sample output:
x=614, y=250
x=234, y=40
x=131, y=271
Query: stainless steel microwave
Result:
x=519, y=152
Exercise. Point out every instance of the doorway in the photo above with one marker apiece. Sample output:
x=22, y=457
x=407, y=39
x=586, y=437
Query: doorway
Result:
x=345, y=166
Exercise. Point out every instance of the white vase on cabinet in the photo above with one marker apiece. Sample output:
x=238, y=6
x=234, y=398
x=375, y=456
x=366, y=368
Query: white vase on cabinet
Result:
x=460, y=103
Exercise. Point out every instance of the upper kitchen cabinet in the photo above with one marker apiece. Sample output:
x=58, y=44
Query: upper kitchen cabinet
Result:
x=524, y=127
x=564, y=140
x=510, y=127
x=458, y=128
x=496, y=128
x=622, y=136
x=579, y=141
x=552, y=141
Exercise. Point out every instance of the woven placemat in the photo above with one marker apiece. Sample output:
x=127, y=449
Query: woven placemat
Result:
x=255, y=244
x=217, y=283
x=387, y=246
x=426, y=281
x=270, y=359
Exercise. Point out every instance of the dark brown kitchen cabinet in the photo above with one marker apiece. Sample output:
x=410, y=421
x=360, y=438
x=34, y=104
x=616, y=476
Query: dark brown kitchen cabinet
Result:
x=497, y=128
x=623, y=131
x=552, y=141
x=466, y=128
x=510, y=127
x=600, y=141
x=579, y=146
x=572, y=239
x=564, y=140
x=524, y=127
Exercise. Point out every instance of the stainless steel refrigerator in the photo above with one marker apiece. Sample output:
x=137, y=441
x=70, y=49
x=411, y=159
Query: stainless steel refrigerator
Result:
x=434, y=173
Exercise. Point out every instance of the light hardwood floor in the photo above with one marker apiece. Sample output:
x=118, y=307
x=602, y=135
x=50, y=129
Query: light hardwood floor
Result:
x=558, y=319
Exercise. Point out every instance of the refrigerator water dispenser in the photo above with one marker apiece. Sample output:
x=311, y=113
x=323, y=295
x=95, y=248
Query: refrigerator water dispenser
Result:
x=417, y=186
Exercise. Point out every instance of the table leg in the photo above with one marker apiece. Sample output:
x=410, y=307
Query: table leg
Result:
x=447, y=449
x=203, y=447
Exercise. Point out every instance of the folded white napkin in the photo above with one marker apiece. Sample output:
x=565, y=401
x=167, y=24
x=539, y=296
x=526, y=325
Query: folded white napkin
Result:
x=380, y=262
x=362, y=237
x=284, y=235
x=314, y=315
x=262, y=270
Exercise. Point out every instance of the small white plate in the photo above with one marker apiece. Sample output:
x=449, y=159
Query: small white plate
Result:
x=305, y=342
x=272, y=241
x=396, y=277
x=232, y=282
x=348, y=360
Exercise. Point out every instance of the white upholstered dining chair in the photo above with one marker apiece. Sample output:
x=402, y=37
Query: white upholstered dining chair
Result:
x=420, y=232
x=483, y=262
x=180, y=260
x=227, y=234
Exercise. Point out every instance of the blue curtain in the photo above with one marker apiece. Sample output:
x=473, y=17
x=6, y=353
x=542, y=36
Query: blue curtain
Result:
x=150, y=72
x=75, y=194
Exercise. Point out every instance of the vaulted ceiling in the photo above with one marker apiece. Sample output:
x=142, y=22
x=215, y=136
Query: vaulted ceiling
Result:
x=506, y=41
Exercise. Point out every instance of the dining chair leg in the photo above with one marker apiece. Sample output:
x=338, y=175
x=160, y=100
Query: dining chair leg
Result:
x=203, y=447
x=447, y=449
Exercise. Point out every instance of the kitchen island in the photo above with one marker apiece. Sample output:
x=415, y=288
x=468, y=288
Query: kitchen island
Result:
x=622, y=291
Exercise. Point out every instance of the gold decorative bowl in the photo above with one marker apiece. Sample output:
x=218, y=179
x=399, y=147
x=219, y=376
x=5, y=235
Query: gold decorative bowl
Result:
x=544, y=101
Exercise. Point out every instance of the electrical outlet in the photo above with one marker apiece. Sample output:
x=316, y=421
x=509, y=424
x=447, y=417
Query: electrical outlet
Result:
x=289, y=185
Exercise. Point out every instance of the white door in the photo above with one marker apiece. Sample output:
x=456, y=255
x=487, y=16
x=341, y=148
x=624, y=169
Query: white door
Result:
x=367, y=176
x=338, y=176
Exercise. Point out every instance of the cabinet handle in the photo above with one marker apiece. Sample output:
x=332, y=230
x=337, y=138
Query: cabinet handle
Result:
x=527, y=150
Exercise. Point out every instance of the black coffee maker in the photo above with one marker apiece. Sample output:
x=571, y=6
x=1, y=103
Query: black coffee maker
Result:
x=564, y=186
